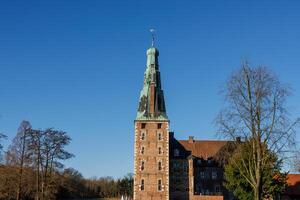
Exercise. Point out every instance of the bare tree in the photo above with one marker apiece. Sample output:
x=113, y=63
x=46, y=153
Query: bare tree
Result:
x=48, y=149
x=2, y=136
x=256, y=111
x=296, y=162
x=53, y=151
x=17, y=154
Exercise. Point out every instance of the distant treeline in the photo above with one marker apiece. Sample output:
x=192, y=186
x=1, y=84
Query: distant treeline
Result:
x=32, y=169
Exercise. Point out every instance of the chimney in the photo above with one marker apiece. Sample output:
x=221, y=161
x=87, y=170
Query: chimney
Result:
x=191, y=139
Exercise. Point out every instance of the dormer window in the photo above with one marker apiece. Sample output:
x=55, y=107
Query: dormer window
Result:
x=209, y=161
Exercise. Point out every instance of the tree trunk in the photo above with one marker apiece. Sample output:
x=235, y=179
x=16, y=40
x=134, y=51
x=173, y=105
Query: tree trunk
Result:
x=21, y=167
x=257, y=193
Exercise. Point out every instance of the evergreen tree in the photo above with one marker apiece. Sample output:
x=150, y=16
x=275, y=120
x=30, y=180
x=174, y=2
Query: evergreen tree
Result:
x=241, y=162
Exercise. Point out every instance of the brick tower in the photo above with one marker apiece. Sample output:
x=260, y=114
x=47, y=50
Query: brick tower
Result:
x=151, y=149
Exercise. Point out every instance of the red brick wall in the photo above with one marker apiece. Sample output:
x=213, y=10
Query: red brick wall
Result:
x=206, y=197
x=151, y=174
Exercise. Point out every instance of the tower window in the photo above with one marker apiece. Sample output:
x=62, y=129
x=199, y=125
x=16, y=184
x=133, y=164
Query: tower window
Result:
x=159, y=150
x=142, y=165
x=159, y=126
x=142, y=184
x=159, y=186
x=143, y=135
x=159, y=166
x=143, y=126
x=142, y=150
x=159, y=136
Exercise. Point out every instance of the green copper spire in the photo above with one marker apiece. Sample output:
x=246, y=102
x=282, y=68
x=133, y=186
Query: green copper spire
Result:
x=152, y=102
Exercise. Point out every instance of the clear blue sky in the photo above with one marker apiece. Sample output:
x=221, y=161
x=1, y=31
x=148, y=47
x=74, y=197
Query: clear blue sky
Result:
x=78, y=66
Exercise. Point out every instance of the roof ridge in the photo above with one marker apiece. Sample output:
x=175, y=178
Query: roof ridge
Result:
x=212, y=140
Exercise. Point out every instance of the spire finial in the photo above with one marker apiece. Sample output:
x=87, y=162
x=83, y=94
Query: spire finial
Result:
x=152, y=30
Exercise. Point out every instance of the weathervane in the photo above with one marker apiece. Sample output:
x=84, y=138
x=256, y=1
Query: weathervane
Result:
x=152, y=30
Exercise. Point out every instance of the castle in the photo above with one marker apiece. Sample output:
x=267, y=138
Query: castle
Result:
x=166, y=168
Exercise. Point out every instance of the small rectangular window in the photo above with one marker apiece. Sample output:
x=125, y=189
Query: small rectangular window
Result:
x=159, y=136
x=142, y=165
x=217, y=189
x=176, y=152
x=142, y=184
x=159, y=126
x=159, y=186
x=143, y=135
x=185, y=167
x=214, y=175
x=159, y=151
x=159, y=166
x=207, y=175
x=142, y=150
x=143, y=125
x=202, y=175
